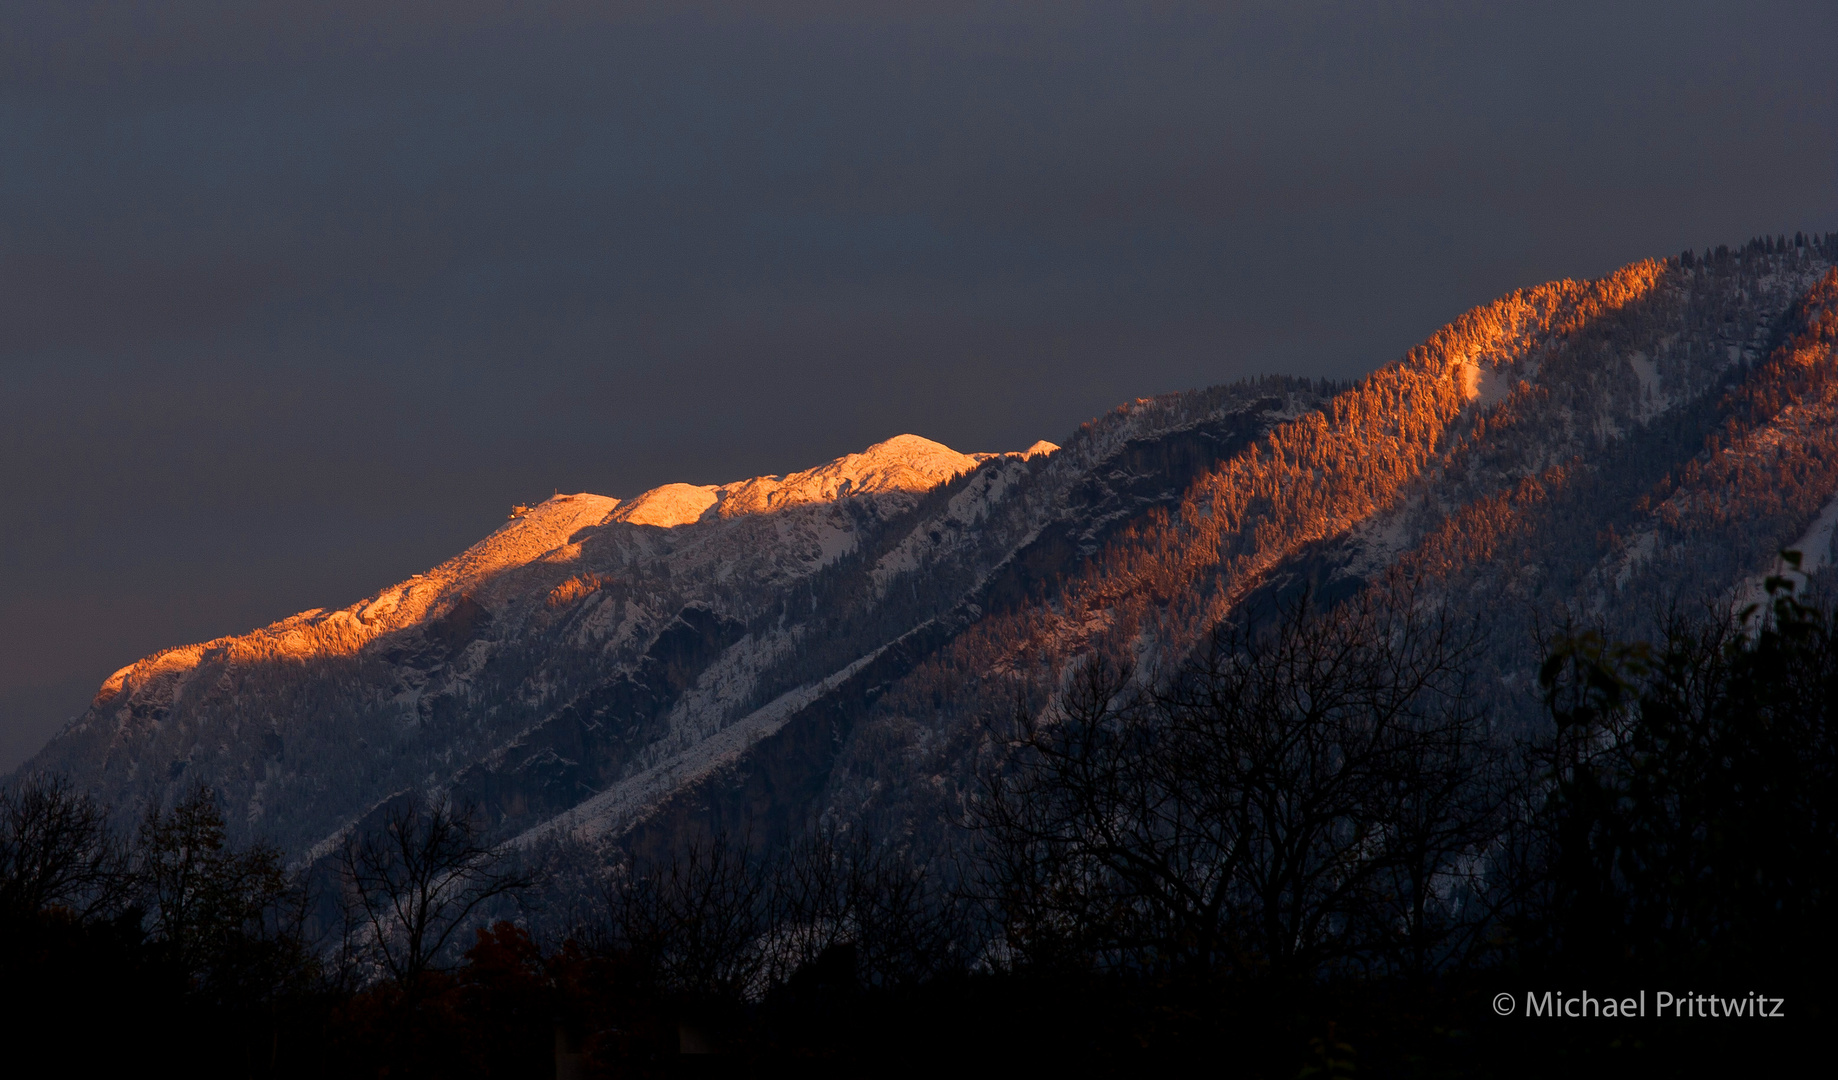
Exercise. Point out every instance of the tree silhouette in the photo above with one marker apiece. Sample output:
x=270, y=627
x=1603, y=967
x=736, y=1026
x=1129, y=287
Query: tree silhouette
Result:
x=1307, y=796
x=56, y=851
x=414, y=882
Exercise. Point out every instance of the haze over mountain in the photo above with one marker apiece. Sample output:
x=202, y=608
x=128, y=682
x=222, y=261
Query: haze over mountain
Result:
x=760, y=655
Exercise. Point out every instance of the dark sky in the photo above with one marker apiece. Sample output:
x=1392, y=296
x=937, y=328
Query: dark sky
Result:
x=296, y=299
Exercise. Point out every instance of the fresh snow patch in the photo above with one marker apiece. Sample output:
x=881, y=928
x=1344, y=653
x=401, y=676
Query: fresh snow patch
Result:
x=1643, y=548
x=627, y=801
x=1486, y=384
x=1653, y=399
x=1815, y=549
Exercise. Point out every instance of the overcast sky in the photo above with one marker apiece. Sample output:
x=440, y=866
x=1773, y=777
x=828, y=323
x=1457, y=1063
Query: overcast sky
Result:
x=296, y=300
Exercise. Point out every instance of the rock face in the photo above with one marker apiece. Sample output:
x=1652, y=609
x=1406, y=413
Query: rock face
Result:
x=757, y=655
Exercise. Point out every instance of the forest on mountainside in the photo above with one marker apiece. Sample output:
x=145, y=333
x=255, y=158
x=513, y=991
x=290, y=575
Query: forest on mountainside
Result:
x=1545, y=504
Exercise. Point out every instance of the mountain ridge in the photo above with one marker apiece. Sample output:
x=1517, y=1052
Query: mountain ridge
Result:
x=546, y=531
x=817, y=646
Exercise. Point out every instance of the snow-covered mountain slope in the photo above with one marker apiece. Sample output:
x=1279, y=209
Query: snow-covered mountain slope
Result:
x=1502, y=465
x=758, y=655
x=579, y=595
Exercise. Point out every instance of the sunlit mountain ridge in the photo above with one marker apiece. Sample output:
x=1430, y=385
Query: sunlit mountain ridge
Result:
x=551, y=532
x=757, y=656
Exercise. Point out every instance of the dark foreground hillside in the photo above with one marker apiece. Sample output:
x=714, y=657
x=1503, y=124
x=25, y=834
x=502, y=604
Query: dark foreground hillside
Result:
x=1307, y=856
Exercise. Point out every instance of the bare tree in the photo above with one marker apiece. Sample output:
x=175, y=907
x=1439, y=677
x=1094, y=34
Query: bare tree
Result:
x=415, y=881
x=839, y=890
x=232, y=917
x=56, y=851
x=1311, y=794
x=718, y=921
x=698, y=922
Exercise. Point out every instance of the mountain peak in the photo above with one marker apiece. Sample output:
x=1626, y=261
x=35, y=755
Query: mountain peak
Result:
x=667, y=506
x=904, y=463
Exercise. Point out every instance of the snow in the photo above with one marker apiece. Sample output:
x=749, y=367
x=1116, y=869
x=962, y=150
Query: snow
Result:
x=1653, y=398
x=1815, y=549
x=761, y=533
x=608, y=574
x=669, y=506
x=520, y=541
x=1039, y=449
x=1488, y=384
x=628, y=800
x=907, y=463
x=550, y=532
x=902, y=463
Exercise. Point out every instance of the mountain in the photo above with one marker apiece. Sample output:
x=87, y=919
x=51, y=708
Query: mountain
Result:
x=760, y=655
